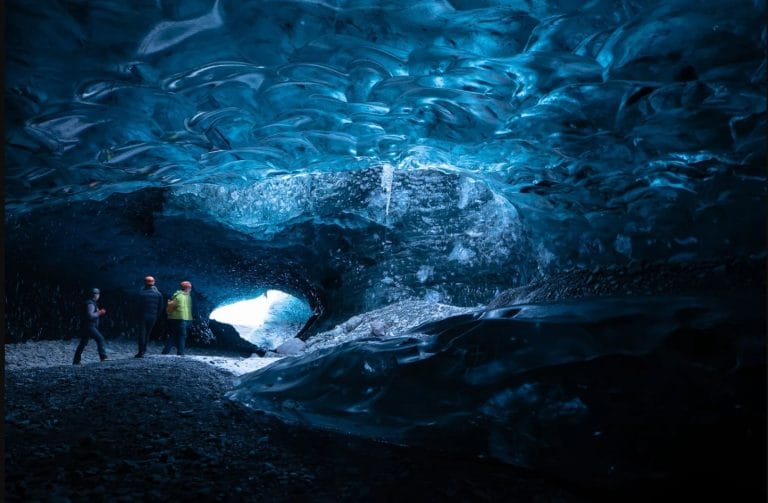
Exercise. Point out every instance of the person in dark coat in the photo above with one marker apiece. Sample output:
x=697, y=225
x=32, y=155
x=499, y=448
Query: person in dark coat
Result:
x=150, y=310
x=90, y=327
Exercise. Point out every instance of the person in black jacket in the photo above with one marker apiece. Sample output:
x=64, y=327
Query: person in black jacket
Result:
x=90, y=327
x=150, y=310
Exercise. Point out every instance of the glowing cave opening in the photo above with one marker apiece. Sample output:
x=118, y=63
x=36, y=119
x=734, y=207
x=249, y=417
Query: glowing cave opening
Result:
x=266, y=321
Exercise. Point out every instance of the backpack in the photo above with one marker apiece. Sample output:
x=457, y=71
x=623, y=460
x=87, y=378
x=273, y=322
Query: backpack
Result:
x=171, y=305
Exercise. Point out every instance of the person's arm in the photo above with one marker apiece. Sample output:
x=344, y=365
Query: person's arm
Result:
x=92, y=312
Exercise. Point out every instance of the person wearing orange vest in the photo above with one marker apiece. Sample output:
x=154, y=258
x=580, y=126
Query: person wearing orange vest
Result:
x=179, y=318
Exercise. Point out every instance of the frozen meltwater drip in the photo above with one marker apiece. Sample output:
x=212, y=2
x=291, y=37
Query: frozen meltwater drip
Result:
x=387, y=175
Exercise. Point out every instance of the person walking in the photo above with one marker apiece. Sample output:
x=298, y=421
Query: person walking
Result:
x=90, y=327
x=179, y=317
x=151, y=308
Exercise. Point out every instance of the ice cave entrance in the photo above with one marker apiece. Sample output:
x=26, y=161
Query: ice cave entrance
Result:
x=267, y=320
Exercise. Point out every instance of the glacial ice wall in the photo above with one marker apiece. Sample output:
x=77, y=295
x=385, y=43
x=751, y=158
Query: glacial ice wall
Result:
x=600, y=392
x=440, y=149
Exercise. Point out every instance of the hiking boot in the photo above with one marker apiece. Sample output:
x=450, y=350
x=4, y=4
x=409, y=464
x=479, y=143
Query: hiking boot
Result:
x=104, y=358
x=75, y=363
x=139, y=355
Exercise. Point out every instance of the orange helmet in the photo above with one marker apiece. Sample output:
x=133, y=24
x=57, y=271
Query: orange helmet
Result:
x=149, y=280
x=185, y=284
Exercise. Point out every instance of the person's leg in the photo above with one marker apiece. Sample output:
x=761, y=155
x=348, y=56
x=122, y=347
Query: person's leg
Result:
x=96, y=335
x=84, y=337
x=150, y=325
x=140, y=339
x=183, y=325
x=176, y=332
x=172, y=329
x=146, y=330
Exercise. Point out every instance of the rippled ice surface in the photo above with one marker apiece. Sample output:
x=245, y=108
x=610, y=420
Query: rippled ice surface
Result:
x=570, y=387
x=615, y=130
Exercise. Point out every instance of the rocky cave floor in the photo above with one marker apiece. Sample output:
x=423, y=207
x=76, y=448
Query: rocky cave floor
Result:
x=160, y=429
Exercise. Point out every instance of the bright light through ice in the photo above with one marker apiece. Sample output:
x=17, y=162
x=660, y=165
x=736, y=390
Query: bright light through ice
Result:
x=249, y=313
x=265, y=321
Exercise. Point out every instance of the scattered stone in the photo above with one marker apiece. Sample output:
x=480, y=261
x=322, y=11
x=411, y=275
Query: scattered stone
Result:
x=291, y=347
x=378, y=328
x=352, y=323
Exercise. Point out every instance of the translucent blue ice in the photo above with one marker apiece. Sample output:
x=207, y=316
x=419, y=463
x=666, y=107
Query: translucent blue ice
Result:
x=570, y=112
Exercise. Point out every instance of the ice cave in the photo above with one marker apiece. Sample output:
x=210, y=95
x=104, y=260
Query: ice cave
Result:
x=529, y=233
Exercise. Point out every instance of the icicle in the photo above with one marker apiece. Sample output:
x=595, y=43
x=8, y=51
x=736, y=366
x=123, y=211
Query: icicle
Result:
x=387, y=175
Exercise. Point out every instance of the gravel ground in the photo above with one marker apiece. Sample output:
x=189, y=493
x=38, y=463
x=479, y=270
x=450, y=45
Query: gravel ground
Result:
x=160, y=429
x=53, y=353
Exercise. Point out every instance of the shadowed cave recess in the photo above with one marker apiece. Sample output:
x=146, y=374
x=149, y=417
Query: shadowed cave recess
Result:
x=585, y=180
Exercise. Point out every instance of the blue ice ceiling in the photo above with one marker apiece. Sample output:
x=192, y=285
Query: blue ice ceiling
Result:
x=366, y=152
